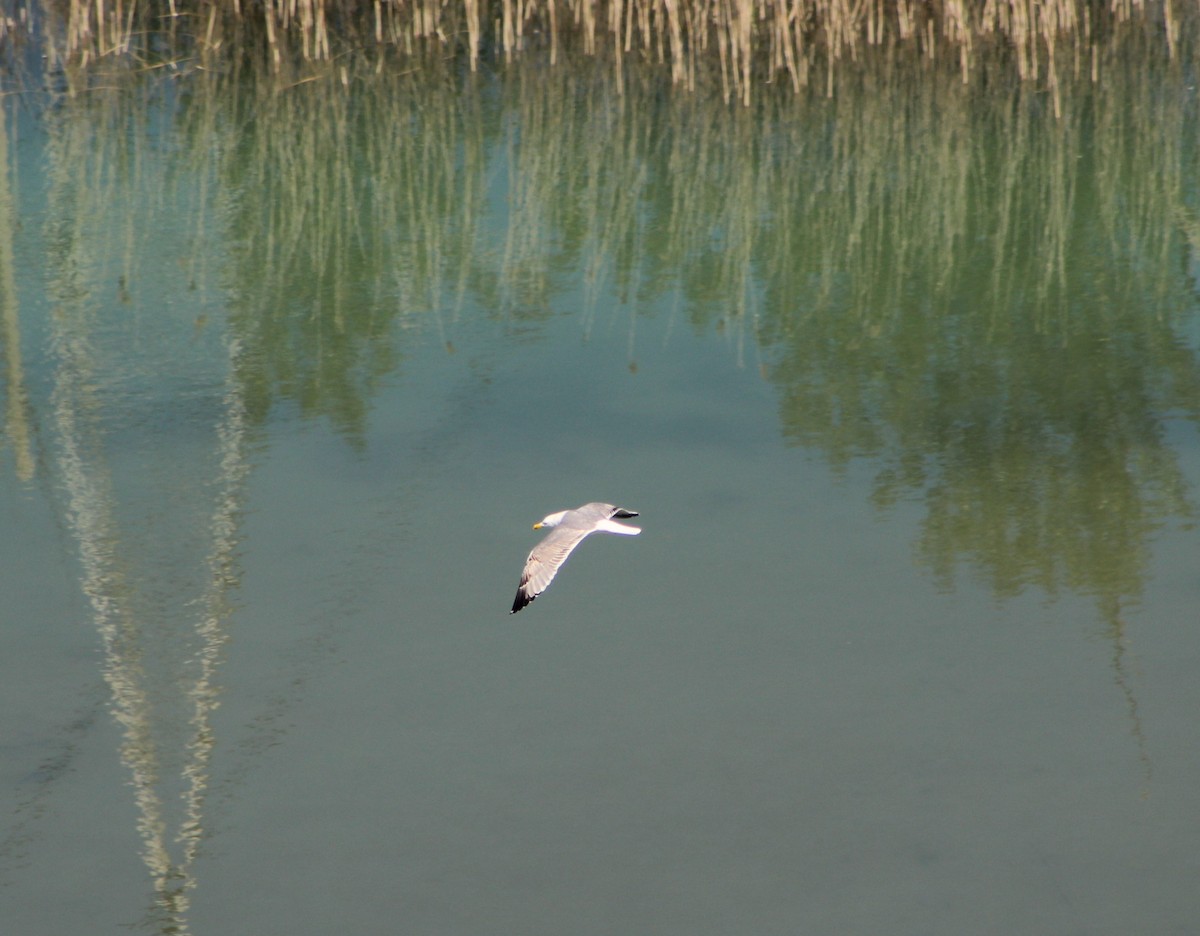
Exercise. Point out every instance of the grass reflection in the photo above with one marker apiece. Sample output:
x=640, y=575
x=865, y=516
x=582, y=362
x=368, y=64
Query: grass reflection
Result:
x=983, y=298
x=157, y=545
x=16, y=415
x=994, y=313
x=983, y=301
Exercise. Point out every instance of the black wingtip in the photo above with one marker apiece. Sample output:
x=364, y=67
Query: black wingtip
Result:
x=520, y=601
x=623, y=513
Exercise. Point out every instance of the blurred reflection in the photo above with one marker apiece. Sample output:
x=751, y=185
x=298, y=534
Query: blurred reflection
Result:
x=16, y=410
x=985, y=302
x=144, y=523
x=996, y=315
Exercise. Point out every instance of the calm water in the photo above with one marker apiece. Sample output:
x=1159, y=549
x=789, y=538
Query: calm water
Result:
x=905, y=386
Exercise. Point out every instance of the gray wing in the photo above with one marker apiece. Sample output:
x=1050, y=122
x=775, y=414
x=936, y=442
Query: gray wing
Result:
x=589, y=515
x=544, y=562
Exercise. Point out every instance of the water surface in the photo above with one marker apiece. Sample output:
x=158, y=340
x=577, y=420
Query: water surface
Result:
x=903, y=384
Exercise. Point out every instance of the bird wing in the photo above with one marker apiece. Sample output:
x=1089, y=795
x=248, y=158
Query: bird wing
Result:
x=544, y=562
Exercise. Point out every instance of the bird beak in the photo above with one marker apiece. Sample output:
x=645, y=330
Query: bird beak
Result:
x=537, y=526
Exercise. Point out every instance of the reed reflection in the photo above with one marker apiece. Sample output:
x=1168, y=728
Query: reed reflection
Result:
x=984, y=302
x=1000, y=325
x=143, y=528
x=16, y=410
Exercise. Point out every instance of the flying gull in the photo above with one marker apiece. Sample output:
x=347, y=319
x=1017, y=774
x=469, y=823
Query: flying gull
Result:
x=570, y=527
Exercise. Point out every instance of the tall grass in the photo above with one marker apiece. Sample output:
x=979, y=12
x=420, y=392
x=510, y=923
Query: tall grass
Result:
x=734, y=44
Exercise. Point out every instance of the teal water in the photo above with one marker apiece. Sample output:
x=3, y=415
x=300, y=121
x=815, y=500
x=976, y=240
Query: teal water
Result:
x=903, y=386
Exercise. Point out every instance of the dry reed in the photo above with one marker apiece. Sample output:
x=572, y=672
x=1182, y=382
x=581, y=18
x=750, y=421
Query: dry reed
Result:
x=737, y=44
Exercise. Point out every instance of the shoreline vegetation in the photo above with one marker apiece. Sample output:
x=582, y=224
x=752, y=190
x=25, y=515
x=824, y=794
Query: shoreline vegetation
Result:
x=731, y=45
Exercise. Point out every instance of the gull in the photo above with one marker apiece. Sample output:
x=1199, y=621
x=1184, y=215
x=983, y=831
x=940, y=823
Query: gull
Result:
x=569, y=528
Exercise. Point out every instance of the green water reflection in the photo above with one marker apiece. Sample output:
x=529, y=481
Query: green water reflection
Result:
x=990, y=304
x=992, y=307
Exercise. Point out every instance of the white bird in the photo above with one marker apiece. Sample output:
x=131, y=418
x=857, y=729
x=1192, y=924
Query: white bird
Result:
x=570, y=527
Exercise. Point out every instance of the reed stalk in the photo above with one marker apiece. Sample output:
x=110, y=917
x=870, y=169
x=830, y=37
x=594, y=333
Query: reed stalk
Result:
x=743, y=43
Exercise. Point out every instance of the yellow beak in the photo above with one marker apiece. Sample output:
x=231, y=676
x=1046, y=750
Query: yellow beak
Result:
x=537, y=526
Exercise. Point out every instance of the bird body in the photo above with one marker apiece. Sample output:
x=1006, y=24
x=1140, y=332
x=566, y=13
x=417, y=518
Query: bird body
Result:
x=568, y=529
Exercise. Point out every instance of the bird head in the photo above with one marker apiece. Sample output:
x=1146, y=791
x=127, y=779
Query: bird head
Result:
x=551, y=521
